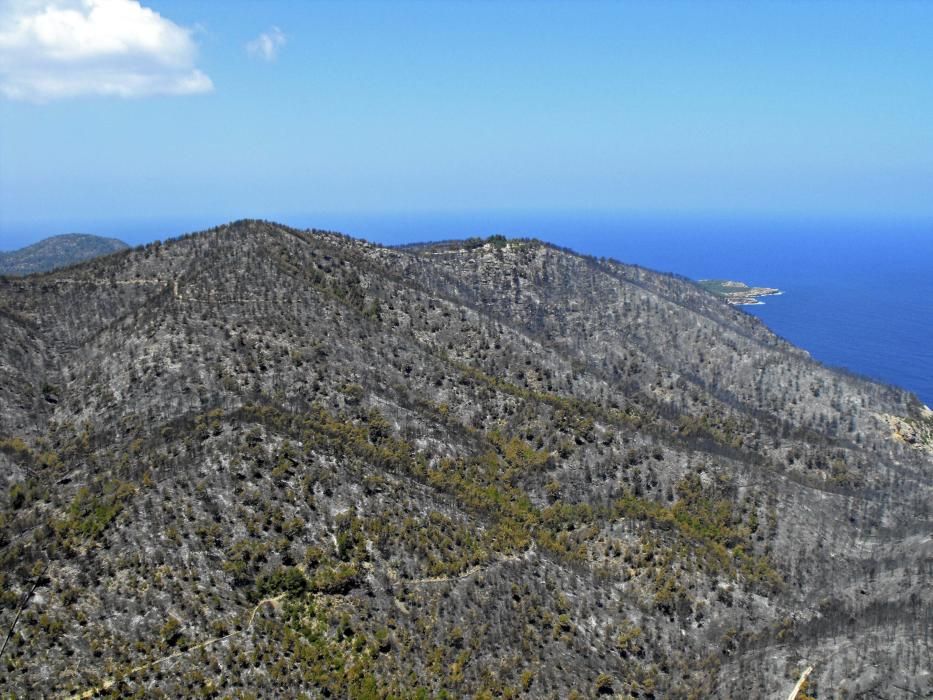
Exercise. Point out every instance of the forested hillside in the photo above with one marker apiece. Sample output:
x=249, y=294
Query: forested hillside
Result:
x=259, y=462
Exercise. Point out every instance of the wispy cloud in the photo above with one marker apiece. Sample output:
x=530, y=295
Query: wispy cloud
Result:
x=52, y=49
x=267, y=45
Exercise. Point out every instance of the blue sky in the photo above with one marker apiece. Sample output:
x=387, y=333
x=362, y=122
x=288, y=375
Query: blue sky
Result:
x=665, y=108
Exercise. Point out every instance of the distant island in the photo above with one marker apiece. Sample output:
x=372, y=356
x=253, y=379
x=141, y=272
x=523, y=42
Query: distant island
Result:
x=57, y=251
x=738, y=293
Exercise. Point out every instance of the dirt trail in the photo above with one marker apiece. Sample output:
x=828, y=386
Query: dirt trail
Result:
x=444, y=579
x=469, y=572
x=107, y=282
x=803, y=679
x=110, y=682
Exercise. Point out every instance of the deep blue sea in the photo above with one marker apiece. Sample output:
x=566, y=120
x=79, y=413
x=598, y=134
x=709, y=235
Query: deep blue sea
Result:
x=857, y=295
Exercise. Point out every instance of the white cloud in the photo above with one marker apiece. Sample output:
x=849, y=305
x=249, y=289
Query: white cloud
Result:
x=52, y=49
x=266, y=46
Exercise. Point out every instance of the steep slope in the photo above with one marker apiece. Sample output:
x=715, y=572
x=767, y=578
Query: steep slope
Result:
x=57, y=251
x=490, y=468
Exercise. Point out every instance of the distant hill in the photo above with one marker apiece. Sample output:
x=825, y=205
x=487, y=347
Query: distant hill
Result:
x=57, y=251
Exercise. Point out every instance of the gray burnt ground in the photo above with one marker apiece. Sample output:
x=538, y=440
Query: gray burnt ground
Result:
x=258, y=461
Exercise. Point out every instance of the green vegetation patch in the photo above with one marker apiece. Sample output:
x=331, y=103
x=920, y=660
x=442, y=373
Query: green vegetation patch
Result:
x=90, y=512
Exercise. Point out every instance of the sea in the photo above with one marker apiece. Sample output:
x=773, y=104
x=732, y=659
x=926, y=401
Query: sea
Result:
x=857, y=294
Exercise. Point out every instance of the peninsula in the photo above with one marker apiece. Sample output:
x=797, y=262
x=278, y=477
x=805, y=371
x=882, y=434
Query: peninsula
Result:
x=738, y=293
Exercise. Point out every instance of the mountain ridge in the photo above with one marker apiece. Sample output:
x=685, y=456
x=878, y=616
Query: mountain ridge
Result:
x=501, y=469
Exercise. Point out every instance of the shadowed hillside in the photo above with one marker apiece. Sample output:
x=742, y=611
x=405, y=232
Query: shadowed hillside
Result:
x=257, y=461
